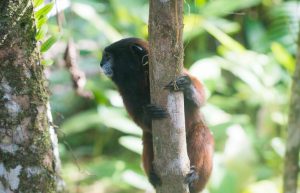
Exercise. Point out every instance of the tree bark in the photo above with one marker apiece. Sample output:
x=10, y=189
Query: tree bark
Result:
x=29, y=159
x=166, y=62
x=291, y=167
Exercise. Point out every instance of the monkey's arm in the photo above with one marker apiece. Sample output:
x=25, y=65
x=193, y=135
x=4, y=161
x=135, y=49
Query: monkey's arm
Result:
x=200, y=150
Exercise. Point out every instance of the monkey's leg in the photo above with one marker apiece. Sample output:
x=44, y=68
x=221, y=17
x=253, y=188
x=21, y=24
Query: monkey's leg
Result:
x=200, y=152
x=148, y=159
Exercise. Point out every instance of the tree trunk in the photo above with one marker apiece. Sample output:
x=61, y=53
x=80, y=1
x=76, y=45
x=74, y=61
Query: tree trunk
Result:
x=29, y=159
x=291, y=167
x=166, y=60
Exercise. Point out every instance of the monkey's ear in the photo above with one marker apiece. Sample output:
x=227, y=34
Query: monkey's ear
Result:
x=137, y=49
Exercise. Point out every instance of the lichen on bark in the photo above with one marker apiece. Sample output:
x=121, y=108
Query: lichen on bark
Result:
x=26, y=148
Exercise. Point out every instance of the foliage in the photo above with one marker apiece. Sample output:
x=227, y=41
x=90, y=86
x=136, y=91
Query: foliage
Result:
x=243, y=51
x=41, y=15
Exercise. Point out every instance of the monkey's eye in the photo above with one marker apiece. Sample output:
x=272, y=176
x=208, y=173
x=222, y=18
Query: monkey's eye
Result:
x=137, y=48
x=106, y=55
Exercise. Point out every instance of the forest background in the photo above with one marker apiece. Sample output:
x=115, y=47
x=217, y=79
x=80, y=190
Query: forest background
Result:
x=244, y=52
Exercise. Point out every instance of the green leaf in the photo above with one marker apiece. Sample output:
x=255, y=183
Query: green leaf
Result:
x=223, y=38
x=37, y=3
x=283, y=57
x=200, y=3
x=48, y=43
x=132, y=143
x=45, y=10
x=89, y=13
x=109, y=117
x=41, y=32
x=41, y=21
x=226, y=7
x=47, y=62
x=81, y=122
x=136, y=180
x=113, y=118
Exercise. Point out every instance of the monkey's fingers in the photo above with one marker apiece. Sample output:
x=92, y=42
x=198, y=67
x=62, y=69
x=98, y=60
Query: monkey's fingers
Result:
x=191, y=177
x=180, y=84
x=155, y=112
x=154, y=179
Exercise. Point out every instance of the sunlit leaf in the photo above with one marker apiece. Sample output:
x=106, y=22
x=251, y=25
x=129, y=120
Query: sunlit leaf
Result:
x=278, y=146
x=48, y=43
x=41, y=21
x=37, y=3
x=200, y=2
x=226, y=7
x=44, y=10
x=41, y=32
x=215, y=115
x=224, y=39
x=47, y=62
x=132, y=143
x=192, y=26
x=81, y=122
x=263, y=186
x=208, y=68
x=284, y=24
x=283, y=57
x=111, y=117
x=136, y=180
x=89, y=13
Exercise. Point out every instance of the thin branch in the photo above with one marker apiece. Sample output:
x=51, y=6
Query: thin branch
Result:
x=78, y=76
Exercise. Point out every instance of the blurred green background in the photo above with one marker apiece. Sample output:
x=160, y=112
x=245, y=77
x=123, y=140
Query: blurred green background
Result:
x=243, y=51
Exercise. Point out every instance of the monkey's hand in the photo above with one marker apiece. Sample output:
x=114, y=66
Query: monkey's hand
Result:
x=154, y=179
x=191, y=88
x=180, y=84
x=155, y=112
x=191, y=177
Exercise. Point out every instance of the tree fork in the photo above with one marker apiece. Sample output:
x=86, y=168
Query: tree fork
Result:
x=171, y=161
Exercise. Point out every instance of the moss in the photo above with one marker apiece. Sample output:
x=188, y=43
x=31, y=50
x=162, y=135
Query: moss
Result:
x=21, y=68
x=36, y=183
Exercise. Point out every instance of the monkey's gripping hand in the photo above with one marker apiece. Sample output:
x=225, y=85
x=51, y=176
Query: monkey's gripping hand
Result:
x=181, y=83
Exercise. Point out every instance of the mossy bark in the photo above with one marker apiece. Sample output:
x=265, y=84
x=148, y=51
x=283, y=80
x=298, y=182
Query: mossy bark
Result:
x=28, y=145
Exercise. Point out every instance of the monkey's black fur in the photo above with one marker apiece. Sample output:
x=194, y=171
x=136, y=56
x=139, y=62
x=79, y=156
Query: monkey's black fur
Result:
x=126, y=63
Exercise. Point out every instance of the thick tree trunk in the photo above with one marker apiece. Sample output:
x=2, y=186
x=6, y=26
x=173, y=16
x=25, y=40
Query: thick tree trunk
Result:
x=29, y=159
x=291, y=167
x=166, y=59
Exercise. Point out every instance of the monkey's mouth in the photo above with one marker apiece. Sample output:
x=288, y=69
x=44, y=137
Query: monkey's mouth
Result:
x=107, y=70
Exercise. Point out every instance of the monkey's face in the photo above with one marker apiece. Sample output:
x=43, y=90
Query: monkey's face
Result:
x=125, y=59
x=107, y=64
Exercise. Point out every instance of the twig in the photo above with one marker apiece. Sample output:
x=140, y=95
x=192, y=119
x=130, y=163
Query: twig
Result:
x=78, y=76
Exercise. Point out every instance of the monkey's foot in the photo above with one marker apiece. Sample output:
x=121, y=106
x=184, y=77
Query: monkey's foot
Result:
x=154, y=179
x=180, y=84
x=191, y=177
x=155, y=112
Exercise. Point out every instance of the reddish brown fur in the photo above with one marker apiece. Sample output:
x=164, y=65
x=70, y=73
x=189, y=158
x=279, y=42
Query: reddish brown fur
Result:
x=135, y=91
x=199, y=141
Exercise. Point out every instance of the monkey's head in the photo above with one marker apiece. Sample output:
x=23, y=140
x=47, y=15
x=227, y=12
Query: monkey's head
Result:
x=124, y=60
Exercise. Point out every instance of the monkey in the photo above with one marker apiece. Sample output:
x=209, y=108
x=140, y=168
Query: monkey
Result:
x=125, y=62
